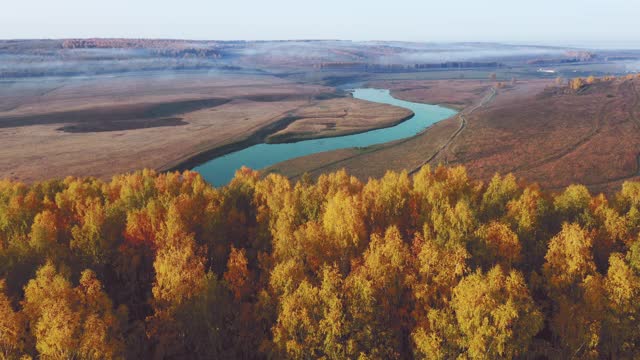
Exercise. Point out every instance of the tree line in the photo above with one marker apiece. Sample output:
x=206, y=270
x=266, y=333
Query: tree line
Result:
x=429, y=266
x=578, y=83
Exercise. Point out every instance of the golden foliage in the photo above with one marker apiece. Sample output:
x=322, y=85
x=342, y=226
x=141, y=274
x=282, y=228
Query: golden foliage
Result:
x=433, y=265
x=569, y=258
x=498, y=245
x=496, y=314
x=12, y=327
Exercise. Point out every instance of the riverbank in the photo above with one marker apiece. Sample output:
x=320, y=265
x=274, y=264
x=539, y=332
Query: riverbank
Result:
x=292, y=138
x=345, y=113
x=407, y=154
x=374, y=161
x=340, y=117
x=109, y=125
x=220, y=170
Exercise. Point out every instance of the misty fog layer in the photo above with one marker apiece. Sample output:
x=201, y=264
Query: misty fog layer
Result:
x=103, y=56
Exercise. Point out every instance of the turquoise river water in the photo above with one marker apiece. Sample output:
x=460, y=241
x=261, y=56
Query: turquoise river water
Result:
x=220, y=170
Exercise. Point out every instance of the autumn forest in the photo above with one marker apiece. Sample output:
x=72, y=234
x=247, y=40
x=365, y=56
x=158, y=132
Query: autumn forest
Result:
x=430, y=266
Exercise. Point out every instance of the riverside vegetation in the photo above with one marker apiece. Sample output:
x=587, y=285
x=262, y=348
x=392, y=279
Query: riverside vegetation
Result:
x=434, y=265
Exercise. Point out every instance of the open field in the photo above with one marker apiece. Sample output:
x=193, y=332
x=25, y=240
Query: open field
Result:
x=105, y=125
x=104, y=106
x=557, y=138
x=338, y=117
x=533, y=129
x=457, y=94
x=201, y=264
x=408, y=154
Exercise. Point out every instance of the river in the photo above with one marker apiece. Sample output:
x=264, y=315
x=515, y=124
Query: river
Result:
x=220, y=171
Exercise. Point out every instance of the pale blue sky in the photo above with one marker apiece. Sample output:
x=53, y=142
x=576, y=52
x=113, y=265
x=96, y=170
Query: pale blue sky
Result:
x=553, y=21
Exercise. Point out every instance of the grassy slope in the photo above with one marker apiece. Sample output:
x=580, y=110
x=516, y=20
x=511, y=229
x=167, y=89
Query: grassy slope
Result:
x=551, y=137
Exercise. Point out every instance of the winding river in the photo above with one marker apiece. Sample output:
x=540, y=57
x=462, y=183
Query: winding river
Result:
x=220, y=171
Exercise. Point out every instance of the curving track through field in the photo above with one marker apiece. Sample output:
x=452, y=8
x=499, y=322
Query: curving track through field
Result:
x=633, y=116
x=595, y=130
x=463, y=123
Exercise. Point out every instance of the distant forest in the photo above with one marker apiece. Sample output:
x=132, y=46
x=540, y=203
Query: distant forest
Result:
x=429, y=266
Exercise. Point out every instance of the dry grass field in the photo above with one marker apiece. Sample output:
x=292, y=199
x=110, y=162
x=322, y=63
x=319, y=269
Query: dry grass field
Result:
x=99, y=126
x=408, y=154
x=533, y=129
x=375, y=160
x=456, y=94
x=557, y=138
x=337, y=117
x=107, y=125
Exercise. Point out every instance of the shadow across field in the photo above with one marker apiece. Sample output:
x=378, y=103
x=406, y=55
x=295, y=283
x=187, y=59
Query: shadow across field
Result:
x=86, y=127
x=257, y=137
x=115, y=118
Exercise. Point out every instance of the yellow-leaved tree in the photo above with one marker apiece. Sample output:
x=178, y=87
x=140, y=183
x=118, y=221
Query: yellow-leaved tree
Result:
x=378, y=298
x=12, y=328
x=576, y=292
x=180, y=276
x=69, y=322
x=495, y=314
